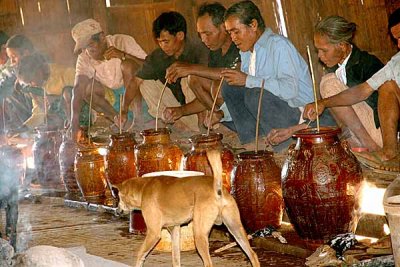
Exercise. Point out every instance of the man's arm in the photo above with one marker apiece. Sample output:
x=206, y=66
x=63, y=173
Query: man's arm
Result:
x=348, y=97
x=182, y=69
x=78, y=95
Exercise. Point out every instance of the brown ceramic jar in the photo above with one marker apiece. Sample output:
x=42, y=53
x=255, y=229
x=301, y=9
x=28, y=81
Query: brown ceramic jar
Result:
x=121, y=158
x=257, y=190
x=68, y=150
x=157, y=152
x=196, y=159
x=45, y=155
x=321, y=182
x=90, y=173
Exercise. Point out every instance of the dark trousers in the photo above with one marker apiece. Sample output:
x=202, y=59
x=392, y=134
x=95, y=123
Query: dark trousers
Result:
x=10, y=203
x=242, y=104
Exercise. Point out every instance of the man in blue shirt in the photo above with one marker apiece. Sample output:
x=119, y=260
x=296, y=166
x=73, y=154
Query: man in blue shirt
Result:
x=265, y=57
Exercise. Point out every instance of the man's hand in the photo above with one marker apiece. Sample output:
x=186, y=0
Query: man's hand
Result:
x=121, y=120
x=234, y=77
x=113, y=52
x=178, y=70
x=310, y=111
x=279, y=135
x=171, y=114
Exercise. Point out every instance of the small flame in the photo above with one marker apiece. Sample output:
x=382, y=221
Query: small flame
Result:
x=386, y=229
x=372, y=199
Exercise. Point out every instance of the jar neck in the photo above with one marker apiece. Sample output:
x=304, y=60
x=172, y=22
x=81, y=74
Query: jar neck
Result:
x=161, y=138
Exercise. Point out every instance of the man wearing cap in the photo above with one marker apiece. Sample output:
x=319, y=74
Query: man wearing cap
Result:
x=104, y=62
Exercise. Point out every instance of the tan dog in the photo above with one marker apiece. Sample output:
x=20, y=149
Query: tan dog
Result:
x=168, y=202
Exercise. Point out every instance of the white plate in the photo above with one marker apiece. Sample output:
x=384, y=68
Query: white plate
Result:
x=173, y=173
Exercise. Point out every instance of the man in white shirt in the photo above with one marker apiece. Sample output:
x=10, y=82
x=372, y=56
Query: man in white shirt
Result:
x=104, y=62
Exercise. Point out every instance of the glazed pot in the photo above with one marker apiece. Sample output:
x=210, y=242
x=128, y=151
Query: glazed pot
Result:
x=157, y=152
x=196, y=159
x=321, y=181
x=90, y=173
x=45, y=155
x=120, y=158
x=67, y=152
x=257, y=190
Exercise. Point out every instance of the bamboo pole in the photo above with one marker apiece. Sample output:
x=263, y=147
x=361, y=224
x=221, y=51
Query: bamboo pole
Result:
x=159, y=102
x=314, y=87
x=259, y=113
x=214, y=103
x=90, y=104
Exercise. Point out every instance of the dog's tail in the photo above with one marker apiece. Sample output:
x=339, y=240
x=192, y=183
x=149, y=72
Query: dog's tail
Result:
x=214, y=157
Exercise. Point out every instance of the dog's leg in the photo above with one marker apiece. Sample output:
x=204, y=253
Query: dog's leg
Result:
x=176, y=246
x=152, y=237
x=201, y=229
x=231, y=219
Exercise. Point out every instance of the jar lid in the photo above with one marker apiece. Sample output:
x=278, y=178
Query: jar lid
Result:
x=255, y=155
x=204, y=138
x=154, y=132
x=313, y=132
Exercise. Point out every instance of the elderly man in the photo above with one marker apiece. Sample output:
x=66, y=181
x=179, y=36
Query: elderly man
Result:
x=169, y=30
x=204, y=80
x=270, y=60
x=387, y=82
x=104, y=62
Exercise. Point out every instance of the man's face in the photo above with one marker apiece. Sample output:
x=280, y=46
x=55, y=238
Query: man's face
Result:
x=96, y=47
x=244, y=36
x=14, y=55
x=395, y=30
x=172, y=45
x=329, y=54
x=213, y=37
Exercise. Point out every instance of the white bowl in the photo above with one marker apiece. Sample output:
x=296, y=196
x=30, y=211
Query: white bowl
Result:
x=173, y=173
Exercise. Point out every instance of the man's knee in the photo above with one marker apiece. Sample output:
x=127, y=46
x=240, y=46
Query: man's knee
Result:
x=331, y=85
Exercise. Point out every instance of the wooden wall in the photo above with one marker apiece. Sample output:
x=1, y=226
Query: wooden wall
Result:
x=48, y=22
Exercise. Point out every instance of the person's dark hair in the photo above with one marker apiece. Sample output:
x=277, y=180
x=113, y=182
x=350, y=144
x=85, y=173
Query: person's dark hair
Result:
x=246, y=11
x=20, y=42
x=337, y=29
x=394, y=19
x=3, y=38
x=215, y=10
x=172, y=21
x=31, y=65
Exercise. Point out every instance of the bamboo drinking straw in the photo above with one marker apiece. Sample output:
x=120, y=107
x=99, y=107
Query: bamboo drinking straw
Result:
x=314, y=87
x=90, y=104
x=120, y=113
x=159, y=102
x=213, y=106
x=45, y=107
x=3, y=110
x=259, y=113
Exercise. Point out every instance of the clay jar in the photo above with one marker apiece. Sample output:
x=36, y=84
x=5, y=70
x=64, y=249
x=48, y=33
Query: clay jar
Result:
x=157, y=152
x=257, y=190
x=196, y=159
x=90, y=173
x=121, y=158
x=321, y=183
x=67, y=152
x=45, y=155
